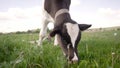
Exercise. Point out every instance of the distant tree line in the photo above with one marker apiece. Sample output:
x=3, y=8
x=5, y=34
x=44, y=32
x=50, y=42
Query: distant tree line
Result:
x=30, y=31
x=23, y=32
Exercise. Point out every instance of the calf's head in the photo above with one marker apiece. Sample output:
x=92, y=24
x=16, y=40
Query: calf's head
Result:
x=70, y=36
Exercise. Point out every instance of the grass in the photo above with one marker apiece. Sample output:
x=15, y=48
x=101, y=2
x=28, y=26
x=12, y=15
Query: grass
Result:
x=99, y=49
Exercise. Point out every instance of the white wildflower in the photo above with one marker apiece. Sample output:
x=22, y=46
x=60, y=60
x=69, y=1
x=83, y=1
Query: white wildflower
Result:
x=115, y=34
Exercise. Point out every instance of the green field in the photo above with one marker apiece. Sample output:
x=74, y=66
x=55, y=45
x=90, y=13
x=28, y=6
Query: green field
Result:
x=97, y=49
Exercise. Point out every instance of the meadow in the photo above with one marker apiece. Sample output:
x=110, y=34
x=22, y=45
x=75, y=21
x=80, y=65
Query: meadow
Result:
x=97, y=49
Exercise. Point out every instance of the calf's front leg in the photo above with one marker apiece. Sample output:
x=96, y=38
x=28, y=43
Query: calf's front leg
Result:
x=43, y=31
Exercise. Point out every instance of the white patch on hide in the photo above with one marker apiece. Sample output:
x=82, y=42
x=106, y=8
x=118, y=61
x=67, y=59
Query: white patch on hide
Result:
x=73, y=31
x=75, y=58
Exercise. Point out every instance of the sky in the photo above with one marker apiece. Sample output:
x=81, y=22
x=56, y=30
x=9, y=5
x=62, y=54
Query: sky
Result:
x=23, y=15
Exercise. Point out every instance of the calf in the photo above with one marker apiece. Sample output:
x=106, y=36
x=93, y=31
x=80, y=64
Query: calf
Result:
x=66, y=30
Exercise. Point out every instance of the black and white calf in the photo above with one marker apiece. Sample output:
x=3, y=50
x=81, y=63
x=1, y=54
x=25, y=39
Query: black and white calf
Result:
x=66, y=31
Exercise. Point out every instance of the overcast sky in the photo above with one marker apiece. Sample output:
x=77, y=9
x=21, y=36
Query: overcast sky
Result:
x=20, y=15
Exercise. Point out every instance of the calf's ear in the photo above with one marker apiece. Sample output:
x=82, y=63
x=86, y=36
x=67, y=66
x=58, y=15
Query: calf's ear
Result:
x=83, y=27
x=54, y=32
